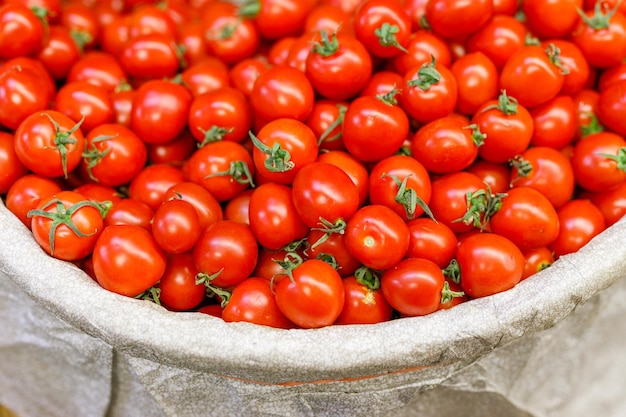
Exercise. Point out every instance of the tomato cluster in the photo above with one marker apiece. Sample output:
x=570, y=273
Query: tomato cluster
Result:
x=313, y=162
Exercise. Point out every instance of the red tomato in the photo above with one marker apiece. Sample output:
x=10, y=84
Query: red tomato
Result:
x=533, y=75
x=176, y=226
x=237, y=208
x=413, y=287
x=62, y=49
x=508, y=127
x=27, y=192
x=130, y=211
x=447, y=144
x=224, y=168
x=49, y=143
x=552, y=18
x=338, y=67
x=383, y=26
x=455, y=18
x=536, y=260
x=12, y=168
x=324, y=195
x=207, y=75
x=377, y=236
x=113, y=155
x=429, y=92
x=281, y=148
x=253, y=301
x=612, y=203
x=277, y=19
x=363, y=304
x=477, y=80
x=431, y=240
x=98, y=68
x=554, y=122
x=599, y=161
x=152, y=183
x=495, y=175
x=207, y=206
x=150, y=18
x=527, y=218
x=282, y=92
x=572, y=58
x=160, y=111
x=326, y=122
x=580, y=221
x=611, y=107
x=127, y=260
x=421, y=47
x=330, y=246
x=367, y=120
x=220, y=114
x=546, y=170
x=226, y=253
x=244, y=73
x=498, y=39
x=150, y=56
x=353, y=167
x=402, y=184
x=313, y=296
x=22, y=32
x=500, y=268
x=67, y=225
x=177, y=286
x=273, y=216
x=82, y=100
x=175, y=152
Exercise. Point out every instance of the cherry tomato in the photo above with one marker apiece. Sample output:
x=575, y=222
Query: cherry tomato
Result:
x=554, y=122
x=326, y=122
x=454, y=18
x=537, y=260
x=384, y=27
x=277, y=19
x=151, y=184
x=150, y=56
x=207, y=75
x=313, y=296
x=22, y=32
x=553, y=18
x=573, y=59
x=176, y=226
x=611, y=105
x=130, y=211
x=12, y=168
x=612, y=203
x=580, y=221
x=355, y=169
x=421, y=47
x=49, y=143
x=599, y=161
x=498, y=39
x=253, y=301
x=98, y=68
x=495, y=175
x=67, y=225
x=377, y=236
x=237, y=208
x=207, y=206
x=477, y=80
x=177, y=286
x=127, y=260
x=431, y=240
x=500, y=268
x=363, y=304
x=413, y=287
x=27, y=192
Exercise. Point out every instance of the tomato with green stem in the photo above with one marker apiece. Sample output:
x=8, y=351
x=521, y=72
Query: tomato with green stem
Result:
x=224, y=168
x=331, y=246
x=536, y=260
x=312, y=296
x=226, y=254
x=383, y=27
x=500, y=268
x=421, y=47
x=364, y=301
x=599, y=161
x=401, y=183
x=127, y=260
x=370, y=118
x=580, y=221
x=67, y=225
x=49, y=143
x=413, y=287
x=338, y=66
x=113, y=155
x=27, y=192
x=578, y=69
x=207, y=206
x=326, y=122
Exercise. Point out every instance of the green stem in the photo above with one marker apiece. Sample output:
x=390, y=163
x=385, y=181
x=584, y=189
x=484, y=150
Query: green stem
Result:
x=427, y=75
x=386, y=34
x=408, y=198
x=453, y=271
x=214, y=134
x=239, y=171
x=63, y=139
x=368, y=277
x=448, y=295
x=338, y=122
x=278, y=159
x=92, y=155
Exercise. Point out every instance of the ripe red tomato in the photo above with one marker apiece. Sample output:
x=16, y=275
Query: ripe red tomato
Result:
x=253, y=301
x=273, y=216
x=89, y=102
x=421, y=47
x=413, y=286
x=455, y=18
x=612, y=203
x=207, y=75
x=477, y=80
x=402, y=184
x=324, y=195
x=152, y=183
x=537, y=260
x=313, y=296
x=207, y=206
x=338, y=67
x=554, y=122
x=277, y=19
x=447, y=144
x=527, y=218
x=369, y=118
x=495, y=175
x=552, y=18
x=499, y=38
x=113, y=155
x=226, y=253
x=61, y=50
x=177, y=287
x=67, y=225
x=27, y=192
x=384, y=27
x=363, y=304
x=355, y=169
x=573, y=59
x=326, y=122
x=49, y=143
x=611, y=107
x=131, y=212
x=377, y=236
x=98, y=68
x=500, y=268
x=580, y=221
x=176, y=226
x=431, y=240
x=12, y=169
x=151, y=56
x=127, y=260
x=22, y=32
x=599, y=161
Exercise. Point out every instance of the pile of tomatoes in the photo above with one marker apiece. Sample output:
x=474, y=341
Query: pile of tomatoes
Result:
x=304, y=163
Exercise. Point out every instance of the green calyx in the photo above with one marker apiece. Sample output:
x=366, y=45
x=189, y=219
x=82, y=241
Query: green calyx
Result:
x=523, y=168
x=212, y=290
x=478, y=137
x=291, y=261
x=326, y=46
x=452, y=271
x=386, y=34
x=619, y=158
x=390, y=97
x=62, y=140
x=92, y=155
x=592, y=127
x=448, y=295
x=213, y=134
x=427, y=75
x=554, y=54
x=325, y=136
x=239, y=171
x=63, y=216
x=329, y=228
x=506, y=104
x=278, y=159
x=600, y=19
x=368, y=277
x=481, y=206
x=152, y=294
x=408, y=198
